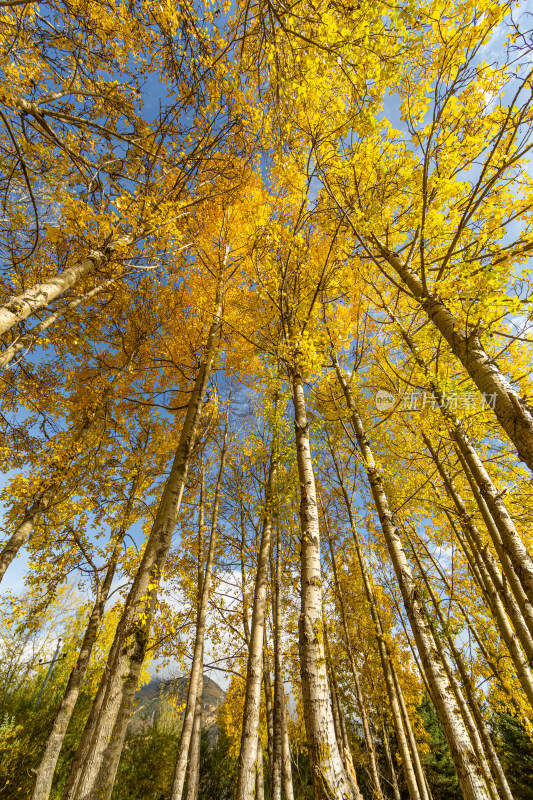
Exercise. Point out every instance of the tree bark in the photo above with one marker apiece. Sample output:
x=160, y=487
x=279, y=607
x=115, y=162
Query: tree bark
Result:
x=421, y=778
x=47, y=497
x=491, y=595
x=478, y=722
x=411, y=764
x=465, y=709
x=525, y=612
x=516, y=560
x=369, y=742
x=335, y=706
x=46, y=769
x=26, y=340
x=327, y=767
x=196, y=677
x=390, y=764
x=245, y=621
x=286, y=765
x=21, y=306
x=339, y=721
x=96, y=761
x=246, y=777
x=486, y=573
x=269, y=710
x=466, y=763
x=512, y=412
x=490, y=659
x=277, y=745
x=259, y=779
x=193, y=769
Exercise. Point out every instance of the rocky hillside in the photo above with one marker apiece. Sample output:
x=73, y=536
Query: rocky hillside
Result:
x=163, y=701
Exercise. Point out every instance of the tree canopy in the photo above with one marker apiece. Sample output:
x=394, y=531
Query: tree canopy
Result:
x=266, y=398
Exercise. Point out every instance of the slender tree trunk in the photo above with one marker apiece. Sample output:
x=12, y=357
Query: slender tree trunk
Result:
x=98, y=781
x=335, y=705
x=338, y=719
x=411, y=764
x=27, y=339
x=345, y=744
x=411, y=739
x=50, y=494
x=467, y=718
x=520, y=595
x=484, y=555
x=327, y=767
x=463, y=754
x=516, y=561
x=46, y=769
x=286, y=766
x=478, y=722
x=512, y=412
x=24, y=530
x=96, y=760
x=371, y=750
x=348, y=760
x=20, y=307
x=265, y=674
x=196, y=677
x=252, y=701
x=259, y=779
x=193, y=770
x=488, y=578
x=390, y=764
x=269, y=710
x=275, y=790
x=461, y=701
x=508, y=636
x=490, y=660
x=245, y=621
x=277, y=746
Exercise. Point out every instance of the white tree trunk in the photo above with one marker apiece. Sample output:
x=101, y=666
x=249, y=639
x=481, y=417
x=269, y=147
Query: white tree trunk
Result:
x=269, y=712
x=193, y=770
x=509, y=601
x=259, y=779
x=246, y=777
x=286, y=765
x=371, y=750
x=485, y=572
x=96, y=761
x=469, y=770
x=197, y=667
x=46, y=769
x=327, y=767
x=478, y=722
x=390, y=763
x=47, y=497
x=21, y=306
x=411, y=764
x=22, y=342
x=516, y=560
x=512, y=412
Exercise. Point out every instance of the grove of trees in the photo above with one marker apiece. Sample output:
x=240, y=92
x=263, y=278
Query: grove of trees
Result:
x=266, y=398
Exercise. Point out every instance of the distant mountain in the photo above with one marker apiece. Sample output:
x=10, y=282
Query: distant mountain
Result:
x=163, y=701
